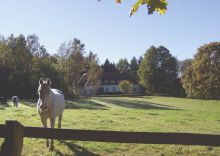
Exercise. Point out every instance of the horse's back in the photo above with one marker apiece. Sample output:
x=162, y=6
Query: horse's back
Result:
x=14, y=98
x=58, y=100
x=57, y=92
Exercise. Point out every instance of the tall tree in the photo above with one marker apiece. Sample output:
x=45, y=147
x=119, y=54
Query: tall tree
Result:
x=134, y=67
x=140, y=60
x=123, y=66
x=183, y=65
x=72, y=63
x=158, y=71
x=94, y=71
x=5, y=67
x=33, y=44
x=108, y=67
x=202, y=78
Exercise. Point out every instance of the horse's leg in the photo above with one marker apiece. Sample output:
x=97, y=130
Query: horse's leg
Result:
x=44, y=122
x=60, y=120
x=52, y=122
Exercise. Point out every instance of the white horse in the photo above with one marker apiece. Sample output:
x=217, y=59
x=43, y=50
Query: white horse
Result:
x=50, y=104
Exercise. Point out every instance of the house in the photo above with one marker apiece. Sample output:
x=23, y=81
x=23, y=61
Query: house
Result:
x=109, y=84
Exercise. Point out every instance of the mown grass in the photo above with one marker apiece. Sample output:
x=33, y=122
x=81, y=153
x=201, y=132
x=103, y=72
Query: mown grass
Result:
x=156, y=114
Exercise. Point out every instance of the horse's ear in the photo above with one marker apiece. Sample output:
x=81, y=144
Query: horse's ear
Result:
x=48, y=82
x=41, y=81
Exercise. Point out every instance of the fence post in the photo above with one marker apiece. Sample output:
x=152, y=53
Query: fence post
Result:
x=14, y=138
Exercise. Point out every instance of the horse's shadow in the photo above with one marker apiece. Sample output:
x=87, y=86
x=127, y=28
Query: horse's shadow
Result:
x=78, y=150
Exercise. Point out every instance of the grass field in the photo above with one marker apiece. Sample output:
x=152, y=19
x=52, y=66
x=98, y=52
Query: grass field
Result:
x=151, y=114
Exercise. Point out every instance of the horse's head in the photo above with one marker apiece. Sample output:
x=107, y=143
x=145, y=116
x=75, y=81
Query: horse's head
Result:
x=43, y=92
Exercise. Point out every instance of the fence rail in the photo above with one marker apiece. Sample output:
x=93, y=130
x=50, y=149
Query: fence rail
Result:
x=13, y=132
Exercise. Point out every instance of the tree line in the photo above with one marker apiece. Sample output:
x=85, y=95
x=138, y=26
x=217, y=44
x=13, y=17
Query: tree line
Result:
x=23, y=60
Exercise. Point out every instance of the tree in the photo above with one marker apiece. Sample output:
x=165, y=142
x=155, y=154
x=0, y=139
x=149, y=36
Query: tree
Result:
x=140, y=60
x=94, y=71
x=5, y=67
x=183, y=65
x=34, y=47
x=46, y=67
x=159, y=6
x=202, y=78
x=108, y=67
x=123, y=66
x=75, y=64
x=15, y=65
x=125, y=86
x=158, y=71
x=33, y=44
x=22, y=62
x=134, y=65
x=78, y=69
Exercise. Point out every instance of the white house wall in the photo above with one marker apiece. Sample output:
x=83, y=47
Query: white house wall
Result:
x=115, y=89
x=91, y=90
x=110, y=88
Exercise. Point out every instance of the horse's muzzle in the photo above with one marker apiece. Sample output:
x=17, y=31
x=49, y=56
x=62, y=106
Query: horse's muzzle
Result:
x=43, y=108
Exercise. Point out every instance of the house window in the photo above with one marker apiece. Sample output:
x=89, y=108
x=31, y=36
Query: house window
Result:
x=112, y=81
x=106, y=89
x=135, y=90
x=113, y=89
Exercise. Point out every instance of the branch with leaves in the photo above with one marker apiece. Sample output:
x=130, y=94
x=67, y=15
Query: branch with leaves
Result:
x=159, y=6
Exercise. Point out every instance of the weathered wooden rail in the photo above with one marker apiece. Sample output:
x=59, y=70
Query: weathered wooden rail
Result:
x=14, y=132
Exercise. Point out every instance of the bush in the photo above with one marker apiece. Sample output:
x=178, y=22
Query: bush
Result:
x=125, y=86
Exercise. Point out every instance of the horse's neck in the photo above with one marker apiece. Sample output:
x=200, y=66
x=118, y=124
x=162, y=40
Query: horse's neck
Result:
x=50, y=97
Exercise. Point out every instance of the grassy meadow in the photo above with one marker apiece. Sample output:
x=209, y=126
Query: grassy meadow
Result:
x=150, y=114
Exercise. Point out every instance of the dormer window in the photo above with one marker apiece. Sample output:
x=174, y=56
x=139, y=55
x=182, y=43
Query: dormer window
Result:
x=112, y=81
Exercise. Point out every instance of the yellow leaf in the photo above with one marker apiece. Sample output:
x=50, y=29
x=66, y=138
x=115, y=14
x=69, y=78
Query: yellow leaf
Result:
x=135, y=7
x=161, y=11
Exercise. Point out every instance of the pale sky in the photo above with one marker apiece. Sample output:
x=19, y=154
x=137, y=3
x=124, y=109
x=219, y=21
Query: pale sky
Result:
x=106, y=28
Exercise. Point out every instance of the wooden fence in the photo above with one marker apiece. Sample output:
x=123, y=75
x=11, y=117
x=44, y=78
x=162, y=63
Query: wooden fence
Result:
x=14, y=132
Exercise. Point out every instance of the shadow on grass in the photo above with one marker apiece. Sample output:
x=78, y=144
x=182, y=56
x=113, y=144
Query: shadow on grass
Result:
x=29, y=102
x=78, y=150
x=138, y=104
x=72, y=104
x=84, y=104
x=2, y=107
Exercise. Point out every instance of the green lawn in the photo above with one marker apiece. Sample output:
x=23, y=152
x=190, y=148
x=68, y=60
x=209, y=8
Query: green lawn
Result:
x=151, y=114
